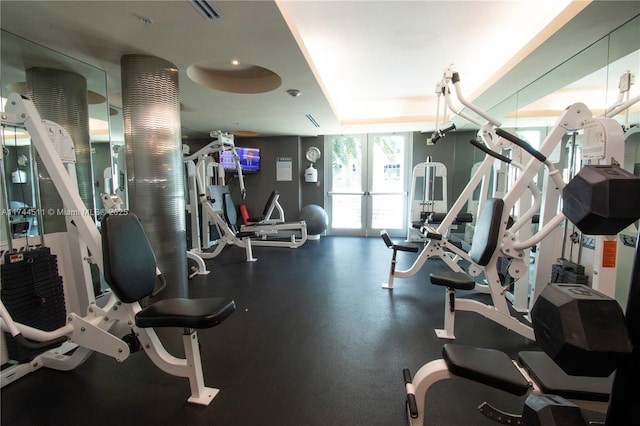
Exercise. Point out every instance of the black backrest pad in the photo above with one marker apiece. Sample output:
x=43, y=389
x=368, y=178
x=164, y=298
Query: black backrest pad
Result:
x=387, y=240
x=268, y=207
x=487, y=232
x=129, y=261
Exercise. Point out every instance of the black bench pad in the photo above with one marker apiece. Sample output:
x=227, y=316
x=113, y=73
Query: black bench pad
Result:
x=457, y=280
x=406, y=247
x=553, y=380
x=398, y=246
x=460, y=218
x=186, y=313
x=488, y=366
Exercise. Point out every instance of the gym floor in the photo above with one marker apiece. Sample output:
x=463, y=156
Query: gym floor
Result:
x=315, y=340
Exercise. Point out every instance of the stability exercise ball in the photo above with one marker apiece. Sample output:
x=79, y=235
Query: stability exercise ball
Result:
x=316, y=219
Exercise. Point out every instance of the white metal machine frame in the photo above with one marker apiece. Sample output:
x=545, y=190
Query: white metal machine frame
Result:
x=88, y=331
x=422, y=202
x=202, y=171
x=440, y=247
x=576, y=117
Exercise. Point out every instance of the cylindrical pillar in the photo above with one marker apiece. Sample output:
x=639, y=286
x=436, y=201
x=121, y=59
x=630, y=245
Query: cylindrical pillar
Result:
x=153, y=147
x=61, y=96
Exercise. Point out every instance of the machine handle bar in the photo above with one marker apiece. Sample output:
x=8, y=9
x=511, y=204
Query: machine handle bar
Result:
x=490, y=152
x=522, y=144
x=440, y=133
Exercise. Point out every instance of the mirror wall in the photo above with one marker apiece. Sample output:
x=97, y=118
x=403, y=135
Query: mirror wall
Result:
x=19, y=56
x=592, y=76
x=605, y=74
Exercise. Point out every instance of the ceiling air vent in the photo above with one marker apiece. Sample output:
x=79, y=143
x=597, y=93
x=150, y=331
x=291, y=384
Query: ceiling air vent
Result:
x=206, y=9
x=312, y=120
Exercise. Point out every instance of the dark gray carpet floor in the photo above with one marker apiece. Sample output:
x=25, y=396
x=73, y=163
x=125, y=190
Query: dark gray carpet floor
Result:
x=315, y=340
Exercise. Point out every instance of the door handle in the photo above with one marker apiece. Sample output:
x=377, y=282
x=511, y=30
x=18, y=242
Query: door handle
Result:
x=345, y=193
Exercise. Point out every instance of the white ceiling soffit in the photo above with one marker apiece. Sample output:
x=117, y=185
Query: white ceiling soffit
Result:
x=379, y=61
x=361, y=66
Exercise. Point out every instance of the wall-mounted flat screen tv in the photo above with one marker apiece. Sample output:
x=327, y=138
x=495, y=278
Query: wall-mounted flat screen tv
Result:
x=249, y=160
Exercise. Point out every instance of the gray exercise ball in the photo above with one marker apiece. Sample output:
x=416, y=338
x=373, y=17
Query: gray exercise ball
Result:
x=316, y=219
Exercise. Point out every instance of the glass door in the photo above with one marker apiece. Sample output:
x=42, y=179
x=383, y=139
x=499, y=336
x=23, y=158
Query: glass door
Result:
x=368, y=177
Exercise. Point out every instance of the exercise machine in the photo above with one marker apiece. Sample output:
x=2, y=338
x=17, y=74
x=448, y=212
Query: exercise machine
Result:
x=437, y=244
x=581, y=331
x=602, y=138
x=269, y=231
x=210, y=231
x=428, y=196
x=223, y=213
x=584, y=337
x=123, y=253
x=491, y=144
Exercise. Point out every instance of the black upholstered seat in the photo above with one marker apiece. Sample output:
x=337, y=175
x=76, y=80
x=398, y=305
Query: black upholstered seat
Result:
x=457, y=280
x=186, y=313
x=130, y=271
x=488, y=366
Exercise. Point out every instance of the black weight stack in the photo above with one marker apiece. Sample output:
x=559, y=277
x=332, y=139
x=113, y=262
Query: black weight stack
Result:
x=33, y=294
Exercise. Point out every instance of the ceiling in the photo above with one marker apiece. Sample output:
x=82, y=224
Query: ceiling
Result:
x=359, y=65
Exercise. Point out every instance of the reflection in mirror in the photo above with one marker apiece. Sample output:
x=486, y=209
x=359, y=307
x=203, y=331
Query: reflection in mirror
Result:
x=19, y=58
x=20, y=210
x=118, y=160
x=581, y=79
x=592, y=77
x=622, y=72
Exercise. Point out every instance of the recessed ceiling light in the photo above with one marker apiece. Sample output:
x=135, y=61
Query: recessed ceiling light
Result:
x=235, y=62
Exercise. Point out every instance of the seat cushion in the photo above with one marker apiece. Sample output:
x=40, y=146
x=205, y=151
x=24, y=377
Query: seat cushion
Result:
x=488, y=366
x=457, y=280
x=553, y=380
x=186, y=313
x=412, y=248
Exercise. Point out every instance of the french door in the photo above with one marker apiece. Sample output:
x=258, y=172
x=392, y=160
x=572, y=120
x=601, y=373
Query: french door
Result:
x=368, y=179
